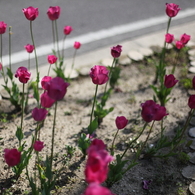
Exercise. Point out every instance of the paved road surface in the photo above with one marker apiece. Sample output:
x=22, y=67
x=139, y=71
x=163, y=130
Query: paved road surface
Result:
x=84, y=16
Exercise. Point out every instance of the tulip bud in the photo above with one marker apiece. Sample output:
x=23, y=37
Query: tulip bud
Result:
x=169, y=38
x=3, y=27
x=77, y=45
x=38, y=146
x=116, y=51
x=191, y=101
x=53, y=12
x=30, y=13
x=172, y=9
x=52, y=59
x=185, y=38
x=170, y=81
x=39, y=114
x=67, y=30
x=29, y=48
x=12, y=157
x=121, y=122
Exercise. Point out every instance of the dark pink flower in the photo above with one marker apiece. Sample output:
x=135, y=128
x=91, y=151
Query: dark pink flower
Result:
x=96, y=189
x=12, y=157
x=53, y=12
x=39, y=114
x=170, y=81
x=23, y=74
x=44, y=81
x=38, y=145
x=152, y=111
x=179, y=45
x=116, y=51
x=46, y=101
x=67, y=30
x=31, y=13
x=3, y=27
x=99, y=74
x=172, y=9
x=52, y=59
x=1, y=66
x=121, y=122
x=57, y=88
x=29, y=48
x=97, y=163
x=185, y=38
x=77, y=45
x=169, y=38
x=191, y=101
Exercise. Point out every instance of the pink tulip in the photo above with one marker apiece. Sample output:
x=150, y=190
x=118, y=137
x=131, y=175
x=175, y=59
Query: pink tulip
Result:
x=44, y=81
x=191, y=101
x=67, y=30
x=29, y=48
x=12, y=157
x=170, y=81
x=3, y=27
x=116, y=51
x=1, y=66
x=185, y=38
x=46, y=101
x=77, y=45
x=96, y=189
x=39, y=114
x=97, y=163
x=169, y=38
x=121, y=122
x=30, y=13
x=53, y=12
x=179, y=45
x=38, y=146
x=52, y=59
x=99, y=74
x=172, y=9
x=57, y=88
x=152, y=111
x=23, y=74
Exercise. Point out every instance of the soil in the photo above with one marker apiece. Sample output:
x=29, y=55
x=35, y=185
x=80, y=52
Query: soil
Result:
x=73, y=115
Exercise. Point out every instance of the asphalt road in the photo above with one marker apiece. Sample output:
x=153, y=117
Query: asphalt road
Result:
x=84, y=16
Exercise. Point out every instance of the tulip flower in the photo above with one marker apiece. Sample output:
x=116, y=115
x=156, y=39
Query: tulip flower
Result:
x=23, y=74
x=57, y=88
x=116, y=51
x=39, y=114
x=46, y=101
x=52, y=59
x=29, y=48
x=152, y=111
x=67, y=30
x=44, y=81
x=169, y=38
x=1, y=66
x=179, y=45
x=170, y=81
x=3, y=27
x=191, y=101
x=121, y=122
x=30, y=13
x=185, y=38
x=172, y=9
x=99, y=74
x=77, y=45
x=53, y=12
x=12, y=157
x=96, y=189
x=97, y=163
x=38, y=145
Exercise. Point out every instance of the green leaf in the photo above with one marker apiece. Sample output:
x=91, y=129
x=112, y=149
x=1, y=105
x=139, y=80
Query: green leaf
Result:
x=19, y=134
x=93, y=126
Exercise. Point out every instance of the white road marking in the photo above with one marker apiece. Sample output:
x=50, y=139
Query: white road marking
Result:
x=101, y=34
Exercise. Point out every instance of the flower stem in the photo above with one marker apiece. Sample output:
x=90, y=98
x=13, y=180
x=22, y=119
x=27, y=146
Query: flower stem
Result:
x=63, y=47
x=1, y=54
x=112, y=147
x=145, y=125
x=53, y=132
x=56, y=28
x=49, y=70
x=73, y=60
x=53, y=33
x=10, y=33
x=96, y=89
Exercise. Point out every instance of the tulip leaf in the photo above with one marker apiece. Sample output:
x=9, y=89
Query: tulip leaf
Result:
x=93, y=126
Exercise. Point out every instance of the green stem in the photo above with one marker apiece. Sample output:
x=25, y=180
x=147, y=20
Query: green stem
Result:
x=110, y=74
x=10, y=33
x=63, y=47
x=112, y=147
x=29, y=61
x=129, y=145
x=56, y=28
x=53, y=33
x=73, y=60
x=1, y=55
x=176, y=60
x=96, y=89
x=53, y=134
x=22, y=114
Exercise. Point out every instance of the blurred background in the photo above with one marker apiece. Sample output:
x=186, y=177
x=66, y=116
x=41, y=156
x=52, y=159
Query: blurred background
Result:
x=85, y=16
